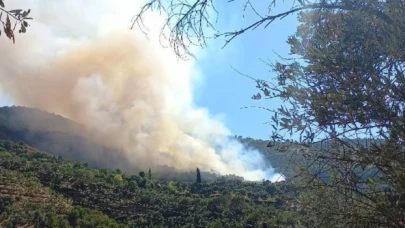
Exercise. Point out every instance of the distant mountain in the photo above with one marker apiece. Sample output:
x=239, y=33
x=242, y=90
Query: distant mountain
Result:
x=287, y=158
x=54, y=133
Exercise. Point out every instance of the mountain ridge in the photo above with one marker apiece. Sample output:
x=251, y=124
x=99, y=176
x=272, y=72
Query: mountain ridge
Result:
x=64, y=137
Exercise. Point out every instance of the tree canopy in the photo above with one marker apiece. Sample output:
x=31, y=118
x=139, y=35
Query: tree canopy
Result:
x=192, y=23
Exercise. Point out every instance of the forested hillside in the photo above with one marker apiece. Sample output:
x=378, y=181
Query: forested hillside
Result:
x=46, y=191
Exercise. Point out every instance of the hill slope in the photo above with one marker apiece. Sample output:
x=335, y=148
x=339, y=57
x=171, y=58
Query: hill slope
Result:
x=50, y=132
x=42, y=190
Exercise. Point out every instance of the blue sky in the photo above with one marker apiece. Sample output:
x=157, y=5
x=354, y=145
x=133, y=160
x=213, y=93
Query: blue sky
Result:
x=223, y=90
x=4, y=99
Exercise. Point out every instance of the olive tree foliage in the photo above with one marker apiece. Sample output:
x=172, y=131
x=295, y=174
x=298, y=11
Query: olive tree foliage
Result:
x=351, y=86
x=192, y=23
x=344, y=81
x=12, y=20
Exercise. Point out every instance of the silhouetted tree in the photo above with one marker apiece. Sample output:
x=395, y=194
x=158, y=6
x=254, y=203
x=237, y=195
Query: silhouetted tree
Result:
x=191, y=23
x=150, y=174
x=198, y=176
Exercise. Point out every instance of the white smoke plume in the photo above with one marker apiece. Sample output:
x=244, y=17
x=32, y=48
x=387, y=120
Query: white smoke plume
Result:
x=80, y=60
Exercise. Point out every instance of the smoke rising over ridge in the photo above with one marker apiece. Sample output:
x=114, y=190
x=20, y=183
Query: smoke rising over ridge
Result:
x=79, y=59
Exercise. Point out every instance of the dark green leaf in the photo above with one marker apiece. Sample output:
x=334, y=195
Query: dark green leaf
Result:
x=23, y=29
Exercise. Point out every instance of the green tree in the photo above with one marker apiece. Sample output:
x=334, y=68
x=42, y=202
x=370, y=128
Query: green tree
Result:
x=150, y=174
x=118, y=178
x=171, y=186
x=348, y=88
x=198, y=176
